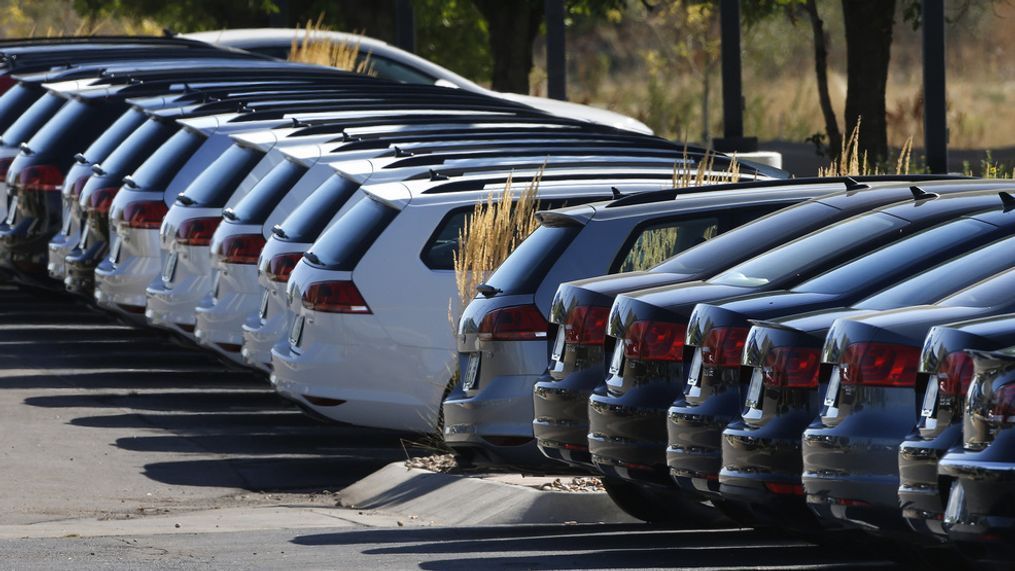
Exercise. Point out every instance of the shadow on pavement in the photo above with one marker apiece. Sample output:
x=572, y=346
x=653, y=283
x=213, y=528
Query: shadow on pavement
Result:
x=159, y=379
x=197, y=401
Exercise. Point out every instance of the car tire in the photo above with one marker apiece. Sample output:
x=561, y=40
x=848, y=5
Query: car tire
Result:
x=661, y=506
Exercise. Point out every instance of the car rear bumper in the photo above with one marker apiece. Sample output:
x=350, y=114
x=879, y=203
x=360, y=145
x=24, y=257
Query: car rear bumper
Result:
x=627, y=434
x=694, y=440
x=59, y=247
x=919, y=495
x=560, y=411
x=123, y=283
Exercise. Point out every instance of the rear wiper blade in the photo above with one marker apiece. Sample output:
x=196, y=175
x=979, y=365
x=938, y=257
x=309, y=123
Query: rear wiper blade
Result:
x=26, y=149
x=129, y=182
x=278, y=231
x=312, y=258
x=488, y=290
x=97, y=169
x=230, y=214
x=185, y=200
x=81, y=159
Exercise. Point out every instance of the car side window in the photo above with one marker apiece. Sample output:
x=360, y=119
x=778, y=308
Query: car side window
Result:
x=439, y=253
x=656, y=242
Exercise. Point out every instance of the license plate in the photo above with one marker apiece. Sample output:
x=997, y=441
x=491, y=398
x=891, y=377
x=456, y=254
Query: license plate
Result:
x=263, y=312
x=471, y=372
x=114, y=251
x=169, y=270
x=955, y=511
x=754, y=390
x=694, y=370
x=296, y=333
x=832, y=394
x=929, y=398
x=558, y=345
x=12, y=210
x=617, y=362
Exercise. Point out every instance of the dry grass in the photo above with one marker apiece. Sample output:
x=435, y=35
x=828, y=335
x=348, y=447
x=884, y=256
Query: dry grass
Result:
x=851, y=162
x=316, y=50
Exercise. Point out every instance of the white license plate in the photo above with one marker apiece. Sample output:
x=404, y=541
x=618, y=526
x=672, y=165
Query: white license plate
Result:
x=930, y=398
x=832, y=394
x=956, y=509
x=169, y=270
x=114, y=251
x=12, y=211
x=558, y=345
x=617, y=362
x=694, y=370
x=471, y=372
x=263, y=312
x=754, y=390
x=296, y=333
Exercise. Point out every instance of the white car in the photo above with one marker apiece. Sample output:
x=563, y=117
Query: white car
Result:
x=372, y=341
x=394, y=63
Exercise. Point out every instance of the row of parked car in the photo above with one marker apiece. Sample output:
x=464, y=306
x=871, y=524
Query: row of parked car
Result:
x=807, y=354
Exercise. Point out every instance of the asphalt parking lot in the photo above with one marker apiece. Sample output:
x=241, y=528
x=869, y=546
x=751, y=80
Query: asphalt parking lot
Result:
x=120, y=448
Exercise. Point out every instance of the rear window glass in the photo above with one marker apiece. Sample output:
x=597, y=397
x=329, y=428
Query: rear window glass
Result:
x=936, y=283
x=748, y=240
x=657, y=242
x=255, y=207
x=988, y=293
x=787, y=260
x=525, y=268
x=158, y=170
x=308, y=220
x=32, y=120
x=213, y=187
x=102, y=147
x=141, y=143
x=920, y=247
x=387, y=69
x=15, y=101
x=342, y=246
x=66, y=118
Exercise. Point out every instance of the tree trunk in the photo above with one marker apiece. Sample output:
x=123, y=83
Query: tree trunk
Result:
x=821, y=71
x=512, y=27
x=868, y=26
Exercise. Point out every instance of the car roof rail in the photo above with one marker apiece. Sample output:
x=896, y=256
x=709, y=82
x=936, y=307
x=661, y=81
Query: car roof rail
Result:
x=438, y=173
x=480, y=183
x=485, y=139
x=535, y=149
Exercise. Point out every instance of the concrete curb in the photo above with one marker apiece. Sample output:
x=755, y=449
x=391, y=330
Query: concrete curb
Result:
x=449, y=499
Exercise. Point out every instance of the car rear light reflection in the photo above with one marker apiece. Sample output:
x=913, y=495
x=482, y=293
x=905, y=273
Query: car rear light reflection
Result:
x=197, y=231
x=145, y=214
x=241, y=248
x=334, y=297
x=7, y=82
x=1002, y=405
x=785, y=489
x=954, y=374
x=5, y=165
x=723, y=346
x=586, y=325
x=655, y=341
x=41, y=178
x=321, y=401
x=792, y=367
x=518, y=323
x=880, y=365
x=281, y=266
x=100, y=200
x=78, y=186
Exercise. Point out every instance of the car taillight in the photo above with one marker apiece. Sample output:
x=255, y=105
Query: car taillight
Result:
x=197, y=231
x=7, y=82
x=78, y=186
x=655, y=341
x=586, y=325
x=5, y=164
x=241, y=248
x=792, y=367
x=145, y=214
x=41, y=178
x=1002, y=405
x=282, y=265
x=335, y=297
x=100, y=200
x=723, y=346
x=954, y=374
x=880, y=365
x=518, y=323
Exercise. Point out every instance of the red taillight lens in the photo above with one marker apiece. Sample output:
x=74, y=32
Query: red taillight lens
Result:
x=655, y=341
x=335, y=297
x=785, y=489
x=5, y=164
x=519, y=323
x=282, y=265
x=7, y=82
x=241, y=248
x=197, y=231
x=1002, y=405
x=145, y=215
x=954, y=374
x=792, y=367
x=78, y=186
x=724, y=346
x=100, y=200
x=880, y=365
x=41, y=178
x=586, y=325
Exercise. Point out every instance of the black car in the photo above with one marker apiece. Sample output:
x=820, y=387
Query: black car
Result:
x=850, y=451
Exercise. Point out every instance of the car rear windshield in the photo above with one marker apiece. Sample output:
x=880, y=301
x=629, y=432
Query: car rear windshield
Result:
x=992, y=291
x=213, y=187
x=101, y=148
x=156, y=172
x=715, y=255
x=141, y=143
x=16, y=101
x=255, y=207
x=525, y=268
x=31, y=120
x=936, y=283
x=343, y=245
x=785, y=261
x=308, y=220
x=67, y=118
x=920, y=247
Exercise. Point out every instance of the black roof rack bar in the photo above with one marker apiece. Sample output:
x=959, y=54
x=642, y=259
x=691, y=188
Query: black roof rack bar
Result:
x=545, y=151
x=448, y=173
x=496, y=138
x=262, y=113
x=101, y=39
x=478, y=184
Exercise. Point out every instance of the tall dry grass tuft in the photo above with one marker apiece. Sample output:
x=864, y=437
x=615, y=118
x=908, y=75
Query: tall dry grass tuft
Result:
x=851, y=162
x=317, y=49
x=705, y=172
